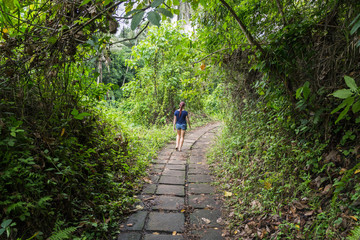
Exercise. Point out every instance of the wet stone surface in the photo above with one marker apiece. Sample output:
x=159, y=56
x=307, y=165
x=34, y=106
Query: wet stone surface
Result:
x=178, y=181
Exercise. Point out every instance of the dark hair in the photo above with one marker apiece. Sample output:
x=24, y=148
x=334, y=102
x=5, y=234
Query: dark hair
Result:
x=181, y=105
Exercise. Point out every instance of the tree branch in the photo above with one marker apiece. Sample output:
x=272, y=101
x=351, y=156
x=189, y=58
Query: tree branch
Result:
x=129, y=39
x=281, y=11
x=210, y=55
x=246, y=32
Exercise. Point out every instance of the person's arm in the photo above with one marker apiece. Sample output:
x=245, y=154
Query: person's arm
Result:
x=188, y=120
x=174, y=122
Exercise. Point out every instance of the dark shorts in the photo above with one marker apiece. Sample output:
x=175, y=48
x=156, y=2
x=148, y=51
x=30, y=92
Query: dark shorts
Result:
x=181, y=126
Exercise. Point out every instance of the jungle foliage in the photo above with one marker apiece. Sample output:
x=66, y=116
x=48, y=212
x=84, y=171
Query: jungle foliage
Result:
x=289, y=155
x=70, y=161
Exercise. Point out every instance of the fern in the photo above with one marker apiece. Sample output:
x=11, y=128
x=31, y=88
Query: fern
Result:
x=62, y=234
x=355, y=234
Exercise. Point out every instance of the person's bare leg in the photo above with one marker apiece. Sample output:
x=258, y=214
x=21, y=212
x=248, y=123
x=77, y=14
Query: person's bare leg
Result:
x=182, y=136
x=178, y=138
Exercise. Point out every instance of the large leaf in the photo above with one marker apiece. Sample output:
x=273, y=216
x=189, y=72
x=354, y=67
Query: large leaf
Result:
x=136, y=20
x=356, y=26
x=84, y=2
x=346, y=102
x=356, y=107
x=342, y=114
x=165, y=12
x=350, y=82
x=342, y=93
x=156, y=3
x=154, y=18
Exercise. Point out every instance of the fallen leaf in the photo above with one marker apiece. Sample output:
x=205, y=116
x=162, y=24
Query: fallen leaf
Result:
x=236, y=231
x=354, y=218
x=203, y=66
x=147, y=180
x=62, y=132
x=309, y=213
x=174, y=233
x=267, y=185
x=139, y=207
x=156, y=233
x=207, y=221
x=327, y=189
x=219, y=221
x=228, y=194
x=342, y=171
x=182, y=210
x=357, y=171
x=297, y=226
x=129, y=224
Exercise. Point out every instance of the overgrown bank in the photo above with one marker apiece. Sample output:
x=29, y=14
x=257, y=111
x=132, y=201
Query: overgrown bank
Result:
x=289, y=155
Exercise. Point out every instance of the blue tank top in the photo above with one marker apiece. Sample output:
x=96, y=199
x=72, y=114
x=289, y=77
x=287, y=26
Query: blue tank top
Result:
x=182, y=118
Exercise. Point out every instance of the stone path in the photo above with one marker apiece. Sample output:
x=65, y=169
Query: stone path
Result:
x=179, y=202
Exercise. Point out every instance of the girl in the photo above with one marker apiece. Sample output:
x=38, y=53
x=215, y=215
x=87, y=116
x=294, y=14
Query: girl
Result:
x=181, y=118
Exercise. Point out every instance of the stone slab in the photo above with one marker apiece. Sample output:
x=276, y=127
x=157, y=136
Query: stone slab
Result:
x=149, y=189
x=197, y=218
x=129, y=236
x=204, y=201
x=199, y=178
x=156, y=170
x=163, y=237
x=176, y=162
x=198, y=165
x=135, y=221
x=158, y=166
x=177, y=190
x=180, y=167
x=168, y=222
x=168, y=203
x=160, y=161
x=154, y=178
x=172, y=180
x=207, y=234
x=177, y=173
x=198, y=171
x=195, y=188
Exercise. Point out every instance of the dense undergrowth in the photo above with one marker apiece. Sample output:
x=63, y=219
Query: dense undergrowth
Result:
x=280, y=187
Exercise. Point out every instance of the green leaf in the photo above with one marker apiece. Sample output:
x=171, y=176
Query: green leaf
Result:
x=154, y=18
x=84, y=2
x=350, y=82
x=2, y=230
x=165, y=12
x=74, y=112
x=131, y=12
x=6, y=223
x=306, y=90
x=356, y=18
x=298, y=92
x=343, y=104
x=82, y=115
x=356, y=107
x=355, y=27
x=52, y=40
x=10, y=4
x=156, y=3
x=176, y=2
x=136, y=20
x=342, y=93
x=342, y=114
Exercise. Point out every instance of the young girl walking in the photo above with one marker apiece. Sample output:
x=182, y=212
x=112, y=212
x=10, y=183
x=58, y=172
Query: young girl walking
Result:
x=181, y=119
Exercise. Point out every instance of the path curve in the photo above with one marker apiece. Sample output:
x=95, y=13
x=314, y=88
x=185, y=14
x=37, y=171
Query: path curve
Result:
x=179, y=202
